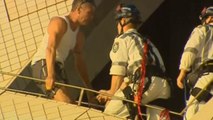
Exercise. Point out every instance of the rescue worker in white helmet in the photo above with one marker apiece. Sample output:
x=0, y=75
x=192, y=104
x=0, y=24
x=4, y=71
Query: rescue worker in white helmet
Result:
x=198, y=58
x=126, y=70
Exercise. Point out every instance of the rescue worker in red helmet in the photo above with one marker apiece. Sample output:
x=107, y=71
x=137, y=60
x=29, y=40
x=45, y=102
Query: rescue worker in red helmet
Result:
x=198, y=58
x=126, y=55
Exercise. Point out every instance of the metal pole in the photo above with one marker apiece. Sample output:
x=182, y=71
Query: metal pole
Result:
x=81, y=96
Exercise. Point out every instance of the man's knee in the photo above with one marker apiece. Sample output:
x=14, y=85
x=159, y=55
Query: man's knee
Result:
x=61, y=95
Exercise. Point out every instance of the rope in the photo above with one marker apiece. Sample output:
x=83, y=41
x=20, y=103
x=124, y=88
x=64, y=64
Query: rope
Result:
x=164, y=115
x=143, y=77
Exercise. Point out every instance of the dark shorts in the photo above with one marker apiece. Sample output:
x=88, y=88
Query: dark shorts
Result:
x=39, y=70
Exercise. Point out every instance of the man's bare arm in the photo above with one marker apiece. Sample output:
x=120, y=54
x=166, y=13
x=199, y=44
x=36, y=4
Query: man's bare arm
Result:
x=79, y=60
x=56, y=29
x=116, y=83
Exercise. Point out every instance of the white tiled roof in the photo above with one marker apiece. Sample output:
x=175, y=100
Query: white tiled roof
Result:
x=22, y=25
x=17, y=106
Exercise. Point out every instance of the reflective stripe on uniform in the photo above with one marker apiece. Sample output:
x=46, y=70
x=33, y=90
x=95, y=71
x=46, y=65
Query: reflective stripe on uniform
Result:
x=124, y=64
x=192, y=50
x=137, y=43
x=132, y=69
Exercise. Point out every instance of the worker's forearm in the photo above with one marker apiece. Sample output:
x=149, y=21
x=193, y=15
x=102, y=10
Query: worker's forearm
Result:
x=50, y=61
x=115, y=83
x=182, y=73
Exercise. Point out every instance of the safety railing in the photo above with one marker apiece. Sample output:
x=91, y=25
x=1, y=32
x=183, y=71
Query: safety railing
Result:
x=82, y=90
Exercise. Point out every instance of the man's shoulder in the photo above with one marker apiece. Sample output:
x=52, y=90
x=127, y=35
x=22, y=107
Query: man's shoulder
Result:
x=131, y=34
x=202, y=28
x=58, y=19
x=58, y=24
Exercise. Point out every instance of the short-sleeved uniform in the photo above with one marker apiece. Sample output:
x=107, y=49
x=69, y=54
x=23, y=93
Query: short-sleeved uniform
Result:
x=126, y=56
x=198, y=50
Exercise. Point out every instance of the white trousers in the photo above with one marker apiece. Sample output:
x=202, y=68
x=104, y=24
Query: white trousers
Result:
x=196, y=106
x=159, y=88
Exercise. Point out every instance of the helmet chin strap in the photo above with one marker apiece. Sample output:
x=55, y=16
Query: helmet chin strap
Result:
x=211, y=19
x=204, y=22
x=122, y=26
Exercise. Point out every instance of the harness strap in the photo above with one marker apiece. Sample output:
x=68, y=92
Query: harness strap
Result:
x=204, y=96
x=129, y=94
x=193, y=77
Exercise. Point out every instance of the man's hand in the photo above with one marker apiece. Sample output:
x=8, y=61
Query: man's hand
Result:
x=180, y=78
x=104, y=96
x=180, y=82
x=91, y=98
x=49, y=83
